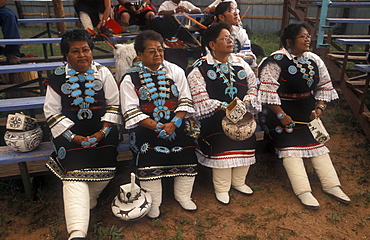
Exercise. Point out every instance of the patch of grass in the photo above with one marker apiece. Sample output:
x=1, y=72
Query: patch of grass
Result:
x=3, y=232
x=363, y=196
x=158, y=223
x=269, y=42
x=136, y=235
x=297, y=214
x=247, y=237
x=107, y=233
x=204, y=222
x=55, y=233
x=361, y=223
x=247, y=218
x=337, y=215
x=179, y=230
x=184, y=220
x=285, y=233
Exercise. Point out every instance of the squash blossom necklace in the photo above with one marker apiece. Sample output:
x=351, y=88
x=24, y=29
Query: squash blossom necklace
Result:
x=83, y=100
x=149, y=91
x=226, y=68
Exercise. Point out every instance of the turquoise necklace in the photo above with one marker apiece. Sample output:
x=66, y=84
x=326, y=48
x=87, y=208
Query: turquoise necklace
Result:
x=150, y=92
x=83, y=100
x=307, y=76
x=226, y=68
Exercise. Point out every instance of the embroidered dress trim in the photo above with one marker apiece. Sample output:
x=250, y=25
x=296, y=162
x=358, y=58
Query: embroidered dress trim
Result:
x=133, y=116
x=113, y=109
x=326, y=92
x=113, y=114
x=256, y=106
x=309, y=151
x=157, y=172
x=58, y=123
x=90, y=175
x=185, y=104
x=268, y=89
x=228, y=159
x=55, y=119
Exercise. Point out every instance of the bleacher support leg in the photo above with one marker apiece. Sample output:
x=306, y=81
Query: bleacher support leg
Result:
x=27, y=183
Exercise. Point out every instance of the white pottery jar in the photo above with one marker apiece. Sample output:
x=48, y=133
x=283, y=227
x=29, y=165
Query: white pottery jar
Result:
x=132, y=202
x=241, y=130
x=23, y=141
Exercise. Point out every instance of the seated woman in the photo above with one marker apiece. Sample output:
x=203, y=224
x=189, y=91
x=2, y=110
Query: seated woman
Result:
x=170, y=7
x=155, y=99
x=215, y=80
x=81, y=106
x=295, y=84
x=226, y=11
x=133, y=12
x=93, y=13
x=212, y=7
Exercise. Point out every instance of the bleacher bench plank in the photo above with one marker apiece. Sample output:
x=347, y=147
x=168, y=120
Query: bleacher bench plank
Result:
x=348, y=36
x=47, y=20
x=350, y=57
x=16, y=104
x=348, y=20
x=363, y=68
x=37, y=167
x=8, y=156
x=337, y=3
x=349, y=41
x=34, y=167
x=45, y=66
x=38, y=157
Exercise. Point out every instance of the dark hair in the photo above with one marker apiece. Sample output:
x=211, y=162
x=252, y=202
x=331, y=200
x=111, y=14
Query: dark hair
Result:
x=212, y=33
x=221, y=9
x=74, y=35
x=292, y=31
x=141, y=38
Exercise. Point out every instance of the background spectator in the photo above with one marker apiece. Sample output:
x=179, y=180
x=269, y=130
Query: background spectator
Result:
x=9, y=27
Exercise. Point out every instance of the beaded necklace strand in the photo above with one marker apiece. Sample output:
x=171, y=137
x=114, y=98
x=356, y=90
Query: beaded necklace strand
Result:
x=72, y=89
x=150, y=92
x=308, y=77
x=227, y=68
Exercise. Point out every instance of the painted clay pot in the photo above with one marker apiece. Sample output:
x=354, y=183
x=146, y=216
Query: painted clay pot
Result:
x=132, y=202
x=241, y=130
x=23, y=141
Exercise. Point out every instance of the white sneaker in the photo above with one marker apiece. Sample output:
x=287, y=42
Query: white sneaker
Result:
x=244, y=189
x=154, y=212
x=223, y=197
x=188, y=205
x=338, y=194
x=308, y=200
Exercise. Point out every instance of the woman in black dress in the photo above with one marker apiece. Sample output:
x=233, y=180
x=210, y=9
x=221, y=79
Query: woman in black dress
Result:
x=81, y=106
x=155, y=101
x=295, y=84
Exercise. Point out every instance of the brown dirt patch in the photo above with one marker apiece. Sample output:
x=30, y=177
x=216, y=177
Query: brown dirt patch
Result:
x=272, y=212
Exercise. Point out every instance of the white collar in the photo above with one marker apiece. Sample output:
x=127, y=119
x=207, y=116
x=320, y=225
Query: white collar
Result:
x=211, y=60
x=286, y=53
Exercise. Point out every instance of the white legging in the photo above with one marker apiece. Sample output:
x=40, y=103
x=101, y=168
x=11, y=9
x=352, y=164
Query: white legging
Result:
x=297, y=174
x=223, y=178
x=79, y=198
